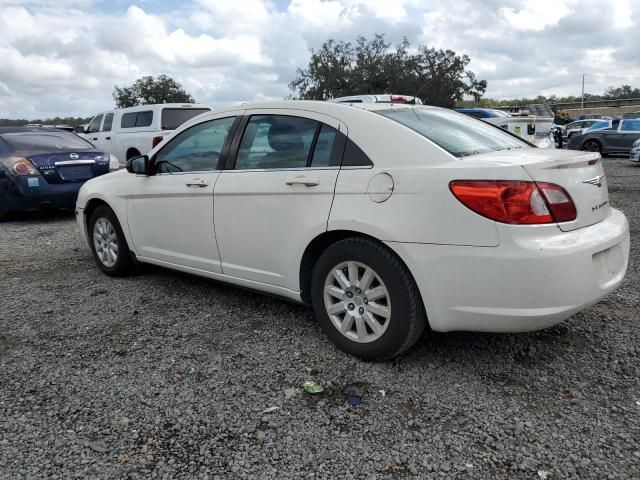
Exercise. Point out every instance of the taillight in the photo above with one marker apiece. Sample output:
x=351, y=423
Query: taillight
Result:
x=20, y=166
x=156, y=141
x=398, y=99
x=515, y=202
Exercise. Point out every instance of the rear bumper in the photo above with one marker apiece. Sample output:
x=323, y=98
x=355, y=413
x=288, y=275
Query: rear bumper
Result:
x=529, y=282
x=33, y=193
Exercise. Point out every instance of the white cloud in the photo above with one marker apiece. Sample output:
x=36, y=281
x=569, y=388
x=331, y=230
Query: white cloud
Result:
x=536, y=15
x=65, y=56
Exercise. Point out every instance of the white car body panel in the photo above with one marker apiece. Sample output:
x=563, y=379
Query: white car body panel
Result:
x=251, y=229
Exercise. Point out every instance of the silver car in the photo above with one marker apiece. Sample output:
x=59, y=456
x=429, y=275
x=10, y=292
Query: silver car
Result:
x=608, y=140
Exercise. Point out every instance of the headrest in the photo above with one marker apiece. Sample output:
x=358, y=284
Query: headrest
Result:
x=284, y=136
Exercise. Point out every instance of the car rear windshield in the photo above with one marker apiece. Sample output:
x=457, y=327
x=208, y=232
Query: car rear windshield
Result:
x=172, y=118
x=458, y=134
x=51, y=141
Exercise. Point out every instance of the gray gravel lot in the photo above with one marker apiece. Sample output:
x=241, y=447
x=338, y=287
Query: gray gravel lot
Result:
x=164, y=375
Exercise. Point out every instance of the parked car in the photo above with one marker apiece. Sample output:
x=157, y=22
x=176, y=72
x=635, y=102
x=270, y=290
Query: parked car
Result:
x=608, y=140
x=578, y=127
x=129, y=132
x=591, y=116
x=378, y=98
x=44, y=168
x=383, y=217
x=634, y=154
x=537, y=130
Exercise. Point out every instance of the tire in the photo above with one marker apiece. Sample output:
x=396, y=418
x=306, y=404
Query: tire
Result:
x=403, y=317
x=592, y=146
x=132, y=153
x=104, y=234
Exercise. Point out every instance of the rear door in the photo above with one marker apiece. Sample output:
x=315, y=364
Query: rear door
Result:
x=276, y=194
x=170, y=213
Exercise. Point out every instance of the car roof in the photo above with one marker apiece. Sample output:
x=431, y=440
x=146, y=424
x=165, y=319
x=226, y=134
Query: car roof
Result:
x=319, y=106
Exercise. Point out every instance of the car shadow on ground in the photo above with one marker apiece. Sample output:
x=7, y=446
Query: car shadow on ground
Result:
x=38, y=216
x=467, y=348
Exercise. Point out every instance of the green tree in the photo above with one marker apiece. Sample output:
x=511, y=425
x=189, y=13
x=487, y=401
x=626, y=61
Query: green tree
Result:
x=148, y=90
x=338, y=68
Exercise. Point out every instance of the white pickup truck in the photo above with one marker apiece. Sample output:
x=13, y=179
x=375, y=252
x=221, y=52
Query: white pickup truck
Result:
x=133, y=131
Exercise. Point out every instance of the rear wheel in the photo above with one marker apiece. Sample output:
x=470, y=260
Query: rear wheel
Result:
x=366, y=300
x=108, y=244
x=592, y=146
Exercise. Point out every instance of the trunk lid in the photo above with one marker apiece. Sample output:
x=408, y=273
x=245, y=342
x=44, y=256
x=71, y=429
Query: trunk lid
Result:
x=68, y=167
x=581, y=174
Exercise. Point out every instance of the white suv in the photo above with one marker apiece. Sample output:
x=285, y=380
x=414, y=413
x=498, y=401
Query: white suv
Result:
x=133, y=131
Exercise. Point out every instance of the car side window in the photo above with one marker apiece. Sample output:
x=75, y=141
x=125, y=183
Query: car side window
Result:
x=94, y=126
x=276, y=141
x=630, y=125
x=196, y=149
x=108, y=121
x=324, y=146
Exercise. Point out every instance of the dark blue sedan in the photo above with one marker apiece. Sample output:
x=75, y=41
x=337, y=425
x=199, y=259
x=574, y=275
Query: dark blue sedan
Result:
x=44, y=168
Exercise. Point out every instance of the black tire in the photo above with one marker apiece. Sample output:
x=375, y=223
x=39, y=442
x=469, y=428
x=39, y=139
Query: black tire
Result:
x=407, y=319
x=123, y=264
x=132, y=153
x=592, y=146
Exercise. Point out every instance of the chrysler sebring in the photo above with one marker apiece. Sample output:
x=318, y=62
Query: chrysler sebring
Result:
x=385, y=218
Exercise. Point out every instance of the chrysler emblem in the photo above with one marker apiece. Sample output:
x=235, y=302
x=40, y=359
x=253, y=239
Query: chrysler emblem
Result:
x=597, y=181
x=73, y=156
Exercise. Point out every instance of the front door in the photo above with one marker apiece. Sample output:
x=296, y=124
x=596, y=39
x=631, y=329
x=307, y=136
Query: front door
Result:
x=276, y=196
x=170, y=212
x=103, y=138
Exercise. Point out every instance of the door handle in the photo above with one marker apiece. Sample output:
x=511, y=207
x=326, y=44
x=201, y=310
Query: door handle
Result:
x=201, y=184
x=107, y=138
x=94, y=138
x=307, y=182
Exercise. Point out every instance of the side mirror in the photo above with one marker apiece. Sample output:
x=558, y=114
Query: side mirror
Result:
x=79, y=129
x=138, y=165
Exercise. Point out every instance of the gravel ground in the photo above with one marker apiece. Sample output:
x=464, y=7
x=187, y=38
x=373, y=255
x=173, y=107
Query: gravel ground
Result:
x=164, y=375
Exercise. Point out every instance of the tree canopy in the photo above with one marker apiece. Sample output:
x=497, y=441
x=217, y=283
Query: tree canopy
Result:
x=148, y=90
x=338, y=68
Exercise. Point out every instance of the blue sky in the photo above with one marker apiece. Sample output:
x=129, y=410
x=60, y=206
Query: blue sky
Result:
x=63, y=57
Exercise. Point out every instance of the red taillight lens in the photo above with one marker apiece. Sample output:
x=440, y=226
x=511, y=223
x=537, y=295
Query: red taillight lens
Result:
x=156, y=141
x=559, y=202
x=398, y=99
x=515, y=202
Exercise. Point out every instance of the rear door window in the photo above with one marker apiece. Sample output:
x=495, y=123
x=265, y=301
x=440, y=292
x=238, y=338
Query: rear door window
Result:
x=172, y=118
x=276, y=141
x=456, y=133
x=137, y=119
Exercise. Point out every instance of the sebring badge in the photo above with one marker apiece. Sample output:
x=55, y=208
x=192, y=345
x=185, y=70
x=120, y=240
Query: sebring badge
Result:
x=73, y=156
x=597, y=181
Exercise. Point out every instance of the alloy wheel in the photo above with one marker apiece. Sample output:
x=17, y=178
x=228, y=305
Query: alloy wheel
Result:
x=591, y=146
x=105, y=242
x=357, y=301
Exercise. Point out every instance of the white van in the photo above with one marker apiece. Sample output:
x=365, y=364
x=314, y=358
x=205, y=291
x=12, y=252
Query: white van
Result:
x=133, y=131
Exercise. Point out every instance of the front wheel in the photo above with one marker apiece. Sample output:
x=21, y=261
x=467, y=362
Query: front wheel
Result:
x=365, y=299
x=108, y=244
x=592, y=146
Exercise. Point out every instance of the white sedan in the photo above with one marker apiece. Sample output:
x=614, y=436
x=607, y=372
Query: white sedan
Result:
x=385, y=218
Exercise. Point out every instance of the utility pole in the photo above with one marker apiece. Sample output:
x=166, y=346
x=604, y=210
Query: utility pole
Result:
x=582, y=91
